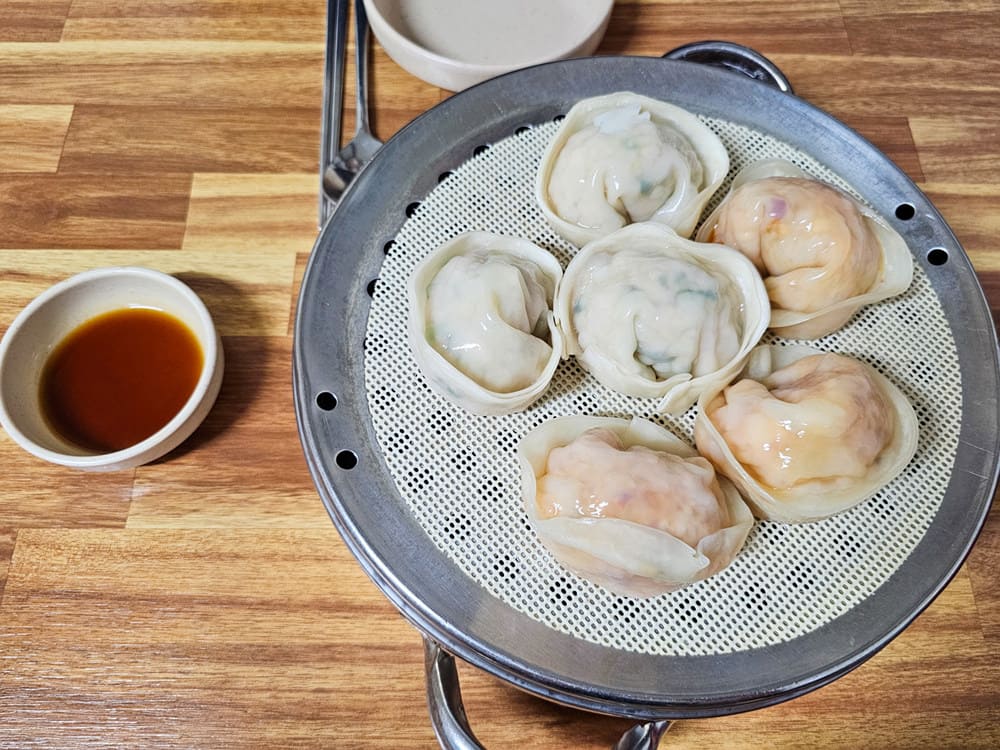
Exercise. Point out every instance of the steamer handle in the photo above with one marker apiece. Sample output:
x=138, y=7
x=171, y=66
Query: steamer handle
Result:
x=444, y=700
x=735, y=58
x=451, y=725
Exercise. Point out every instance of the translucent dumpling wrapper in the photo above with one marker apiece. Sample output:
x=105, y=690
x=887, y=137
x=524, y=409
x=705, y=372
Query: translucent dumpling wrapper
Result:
x=624, y=158
x=627, y=505
x=653, y=315
x=806, y=434
x=481, y=325
x=823, y=255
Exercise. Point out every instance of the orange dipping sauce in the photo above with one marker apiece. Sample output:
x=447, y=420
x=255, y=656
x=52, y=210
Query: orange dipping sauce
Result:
x=120, y=377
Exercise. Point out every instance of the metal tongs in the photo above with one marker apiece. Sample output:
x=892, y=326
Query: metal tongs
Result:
x=338, y=166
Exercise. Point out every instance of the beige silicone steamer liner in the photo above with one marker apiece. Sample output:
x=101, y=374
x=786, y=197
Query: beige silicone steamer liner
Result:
x=427, y=496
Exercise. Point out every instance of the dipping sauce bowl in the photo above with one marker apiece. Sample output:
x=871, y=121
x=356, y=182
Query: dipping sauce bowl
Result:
x=455, y=44
x=109, y=369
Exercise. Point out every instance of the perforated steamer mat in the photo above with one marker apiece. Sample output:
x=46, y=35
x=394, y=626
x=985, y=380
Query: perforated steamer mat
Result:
x=428, y=497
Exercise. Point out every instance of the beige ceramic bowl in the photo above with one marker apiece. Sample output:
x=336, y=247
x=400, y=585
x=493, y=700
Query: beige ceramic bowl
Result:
x=455, y=44
x=42, y=325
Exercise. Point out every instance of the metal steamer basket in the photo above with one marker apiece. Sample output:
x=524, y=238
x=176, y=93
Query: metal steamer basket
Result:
x=427, y=496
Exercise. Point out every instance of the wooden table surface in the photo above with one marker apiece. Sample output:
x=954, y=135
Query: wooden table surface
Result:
x=206, y=600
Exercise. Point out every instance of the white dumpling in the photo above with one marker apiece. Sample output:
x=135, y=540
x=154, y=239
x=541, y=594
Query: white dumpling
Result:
x=821, y=253
x=629, y=506
x=624, y=158
x=653, y=315
x=806, y=434
x=481, y=324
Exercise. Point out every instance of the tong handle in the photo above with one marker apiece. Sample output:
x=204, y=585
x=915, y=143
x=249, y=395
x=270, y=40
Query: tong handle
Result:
x=331, y=125
x=361, y=38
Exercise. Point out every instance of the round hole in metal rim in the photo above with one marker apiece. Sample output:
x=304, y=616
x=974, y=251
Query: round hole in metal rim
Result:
x=346, y=459
x=481, y=149
x=522, y=129
x=937, y=256
x=905, y=211
x=444, y=176
x=558, y=118
x=412, y=209
x=388, y=246
x=372, y=286
x=326, y=401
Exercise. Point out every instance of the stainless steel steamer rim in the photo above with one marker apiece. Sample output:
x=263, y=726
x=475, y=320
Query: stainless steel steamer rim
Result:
x=356, y=483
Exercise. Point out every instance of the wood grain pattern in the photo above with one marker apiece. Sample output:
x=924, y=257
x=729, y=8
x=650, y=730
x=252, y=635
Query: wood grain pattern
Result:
x=769, y=27
x=193, y=616
x=246, y=295
x=903, y=86
x=907, y=28
x=250, y=433
x=38, y=494
x=967, y=209
x=171, y=73
x=181, y=139
x=273, y=214
x=939, y=138
x=893, y=137
x=115, y=210
x=32, y=20
x=179, y=19
x=7, y=538
x=205, y=600
x=32, y=136
x=982, y=566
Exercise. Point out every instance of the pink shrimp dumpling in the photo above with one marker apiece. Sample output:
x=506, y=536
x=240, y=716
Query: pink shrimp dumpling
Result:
x=822, y=254
x=596, y=476
x=821, y=418
x=628, y=506
x=814, y=436
x=808, y=240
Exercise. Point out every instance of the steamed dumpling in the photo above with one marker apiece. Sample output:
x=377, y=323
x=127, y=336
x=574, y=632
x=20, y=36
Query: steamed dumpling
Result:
x=679, y=314
x=809, y=239
x=595, y=476
x=481, y=324
x=807, y=434
x=484, y=303
x=629, y=506
x=653, y=315
x=795, y=428
x=822, y=255
x=624, y=158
